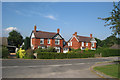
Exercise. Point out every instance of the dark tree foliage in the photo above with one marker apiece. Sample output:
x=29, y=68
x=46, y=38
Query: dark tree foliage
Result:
x=5, y=52
x=114, y=20
x=26, y=43
x=109, y=41
x=98, y=42
x=15, y=38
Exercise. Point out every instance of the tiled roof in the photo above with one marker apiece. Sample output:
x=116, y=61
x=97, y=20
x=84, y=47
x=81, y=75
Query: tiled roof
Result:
x=43, y=34
x=82, y=38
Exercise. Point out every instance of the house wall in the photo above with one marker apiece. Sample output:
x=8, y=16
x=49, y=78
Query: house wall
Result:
x=36, y=43
x=75, y=43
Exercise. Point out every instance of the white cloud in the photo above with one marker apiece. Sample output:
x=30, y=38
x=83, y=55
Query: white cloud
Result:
x=10, y=28
x=51, y=17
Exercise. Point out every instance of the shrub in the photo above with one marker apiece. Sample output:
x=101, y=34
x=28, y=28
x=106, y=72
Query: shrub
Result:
x=54, y=55
x=110, y=52
x=49, y=49
x=5, y=52
x=21, y=53
x=29, y=54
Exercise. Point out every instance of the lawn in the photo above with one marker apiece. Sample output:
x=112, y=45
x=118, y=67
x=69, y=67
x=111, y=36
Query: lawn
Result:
x=111, y=70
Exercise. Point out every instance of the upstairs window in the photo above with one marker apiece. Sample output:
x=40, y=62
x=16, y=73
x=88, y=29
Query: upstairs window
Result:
x=48, y=41
x=41, y=41
x=92, y=44
x=70, y=43
x=82, y=43
x=86, y=44
x=57, y=42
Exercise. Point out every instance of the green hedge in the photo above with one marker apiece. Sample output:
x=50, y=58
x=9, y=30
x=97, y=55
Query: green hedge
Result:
x=106, y=52
x=5, y=52
x=53, y=55
x=110, y=52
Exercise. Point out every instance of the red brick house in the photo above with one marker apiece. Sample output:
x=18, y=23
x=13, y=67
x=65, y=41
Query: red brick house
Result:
x=82, y=42
x=46, y=39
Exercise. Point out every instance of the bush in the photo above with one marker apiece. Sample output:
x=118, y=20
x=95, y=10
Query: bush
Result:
x=5, y=52
x=110, y=52
x=29, y=54
x=49, y=49
x=54, y=55
x=21, y=53
x=106, y=52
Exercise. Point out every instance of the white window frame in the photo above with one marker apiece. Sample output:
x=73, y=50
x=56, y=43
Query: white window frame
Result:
x=48, y=41
x=68, y=44
x=58, y=41
x=92, y=44
x=86, y=44
x=82, y=43
x=71, y=43
x=42, y=41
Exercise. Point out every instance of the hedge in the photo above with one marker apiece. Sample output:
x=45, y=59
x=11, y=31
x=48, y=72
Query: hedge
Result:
x=110, y=52
x=5, y=52
x=54, y=55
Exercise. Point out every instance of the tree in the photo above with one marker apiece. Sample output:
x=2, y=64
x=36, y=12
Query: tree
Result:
x=5, y=52
x=114, y=20
x=109, y=41
x=15, y=38
x=27, y=43
x=98, y=42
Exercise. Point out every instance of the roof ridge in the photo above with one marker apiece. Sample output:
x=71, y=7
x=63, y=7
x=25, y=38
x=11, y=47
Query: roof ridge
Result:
x=83, y=36
x=45, y=32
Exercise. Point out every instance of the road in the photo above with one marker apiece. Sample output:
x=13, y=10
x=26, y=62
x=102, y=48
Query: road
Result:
x=67, y=68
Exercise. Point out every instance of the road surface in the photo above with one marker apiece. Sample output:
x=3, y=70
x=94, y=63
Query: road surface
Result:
x=67, y=68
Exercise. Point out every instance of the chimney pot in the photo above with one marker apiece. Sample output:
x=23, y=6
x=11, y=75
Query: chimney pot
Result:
x=75, y=33
x=58, y=30
x=90, y=35
x=35, y=28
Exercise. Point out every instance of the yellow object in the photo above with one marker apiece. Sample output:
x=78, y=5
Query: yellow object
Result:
x=21, y=53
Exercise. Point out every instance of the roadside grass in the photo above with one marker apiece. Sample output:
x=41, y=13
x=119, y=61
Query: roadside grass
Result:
x=112, y=70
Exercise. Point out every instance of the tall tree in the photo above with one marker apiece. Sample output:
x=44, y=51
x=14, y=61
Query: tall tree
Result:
x=15, y=38
x=109, y=41
x=27, y=43
x=114, y=20
x=98, y=42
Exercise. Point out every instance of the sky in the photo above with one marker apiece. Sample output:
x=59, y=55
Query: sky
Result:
x=69, y=17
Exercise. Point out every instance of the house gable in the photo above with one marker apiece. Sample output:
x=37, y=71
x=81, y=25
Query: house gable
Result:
x=93, y=40
x=33, y=35
x=57, y=36
x=72, y=38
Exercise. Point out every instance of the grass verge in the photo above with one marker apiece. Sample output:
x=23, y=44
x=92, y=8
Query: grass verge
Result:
x=112, y=70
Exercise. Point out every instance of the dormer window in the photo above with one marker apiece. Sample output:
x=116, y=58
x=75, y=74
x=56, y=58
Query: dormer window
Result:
x=57, y=42
x=41, y=41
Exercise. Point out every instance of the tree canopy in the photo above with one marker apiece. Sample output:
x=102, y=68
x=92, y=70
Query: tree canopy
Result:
x=114, y=20
x=26, y=43
x=108, y=42
x=15, y=38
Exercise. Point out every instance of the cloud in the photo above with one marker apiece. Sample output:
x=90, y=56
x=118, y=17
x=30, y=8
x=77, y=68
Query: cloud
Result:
x=51, y=17
x=10, y=28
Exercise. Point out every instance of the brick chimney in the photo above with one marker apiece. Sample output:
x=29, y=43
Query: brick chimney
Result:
x=35, y=28
x=90, y=35
x=58, y=30
x=75, y=33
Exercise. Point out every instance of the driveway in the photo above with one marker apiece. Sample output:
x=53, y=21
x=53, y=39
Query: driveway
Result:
x=67, y=68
